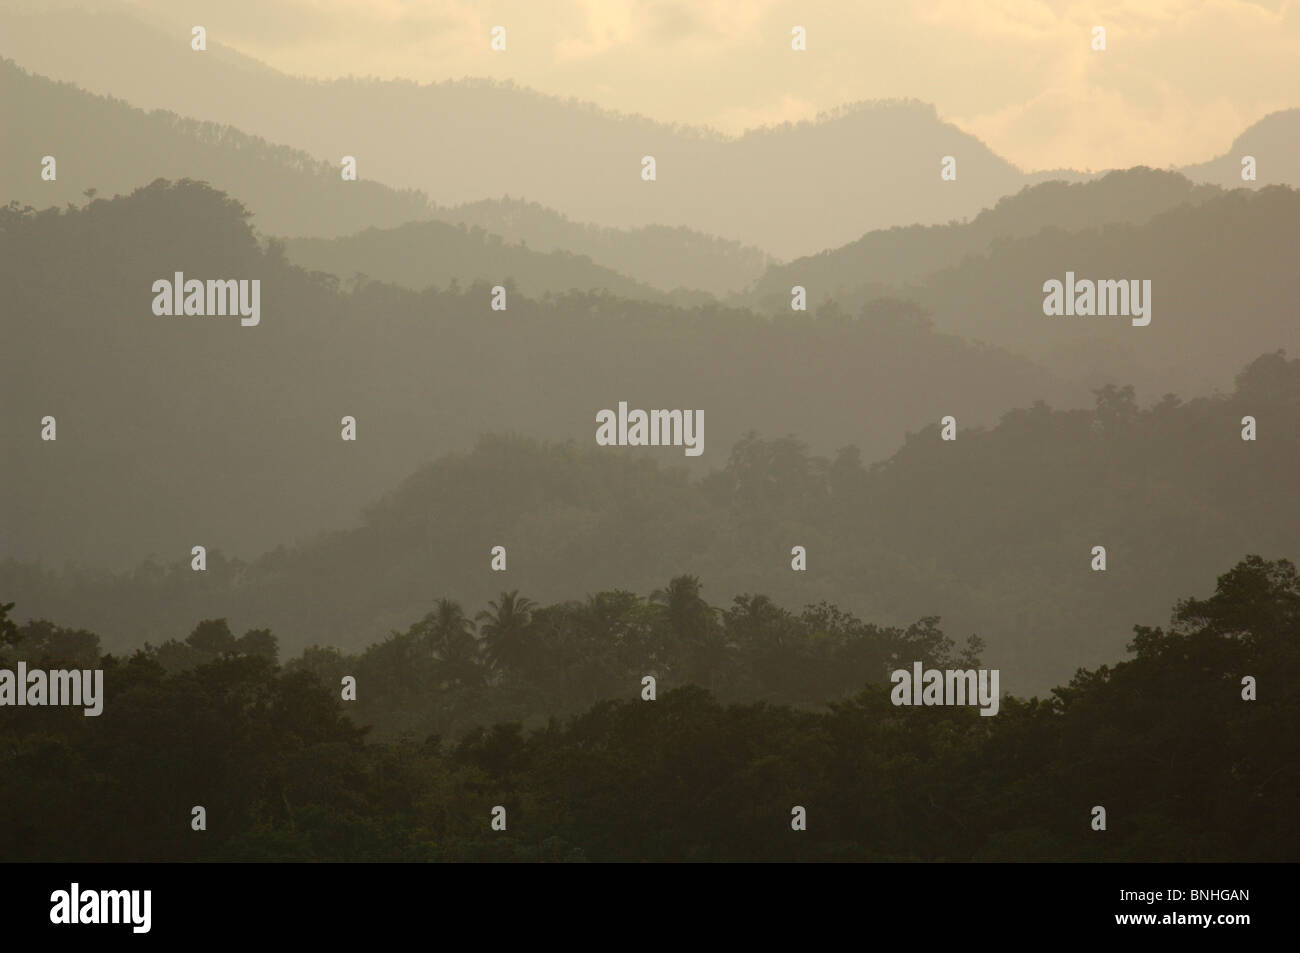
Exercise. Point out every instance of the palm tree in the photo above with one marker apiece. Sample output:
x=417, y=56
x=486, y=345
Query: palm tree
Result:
x=698, y=646
x=449, y=634
x=505, y=629
x=681, y=607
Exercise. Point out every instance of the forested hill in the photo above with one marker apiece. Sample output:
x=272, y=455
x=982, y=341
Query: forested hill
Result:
x=421, y=255
x=993, y=531
x=1224, y=286
x=910, y=253
x=1221, y=267
x=1274, y=143
x=234, y=431
x=868, y=164
x=112, y=147
x=664, y=257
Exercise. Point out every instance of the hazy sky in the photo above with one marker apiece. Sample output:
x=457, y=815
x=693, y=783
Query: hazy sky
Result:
x=1179, y=80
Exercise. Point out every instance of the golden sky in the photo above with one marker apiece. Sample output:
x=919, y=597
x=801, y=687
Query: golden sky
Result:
x=1179, y=78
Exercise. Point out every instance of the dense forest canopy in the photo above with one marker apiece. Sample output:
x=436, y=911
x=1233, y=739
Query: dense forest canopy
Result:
x=411, y=770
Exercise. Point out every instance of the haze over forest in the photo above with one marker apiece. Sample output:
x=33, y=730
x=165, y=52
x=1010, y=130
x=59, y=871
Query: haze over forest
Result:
x=823, y=428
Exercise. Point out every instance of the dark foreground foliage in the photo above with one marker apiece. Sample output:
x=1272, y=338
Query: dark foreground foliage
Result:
x=1186, y=769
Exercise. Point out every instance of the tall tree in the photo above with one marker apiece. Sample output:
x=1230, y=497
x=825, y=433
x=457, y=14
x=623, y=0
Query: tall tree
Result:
x=453, y=645
x=506, y=629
